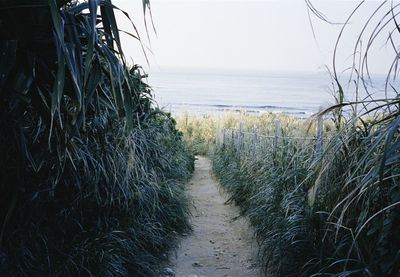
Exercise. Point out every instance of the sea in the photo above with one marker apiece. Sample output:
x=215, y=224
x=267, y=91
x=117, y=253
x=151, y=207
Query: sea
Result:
x=204, y=91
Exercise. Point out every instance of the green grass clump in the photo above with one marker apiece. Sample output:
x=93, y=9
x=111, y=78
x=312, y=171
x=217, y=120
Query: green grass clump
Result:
x=91, y=175
x=269, y=187
x=333, y=215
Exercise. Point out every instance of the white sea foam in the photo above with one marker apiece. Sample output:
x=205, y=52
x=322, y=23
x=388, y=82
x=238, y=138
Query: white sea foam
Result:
x=203, y=92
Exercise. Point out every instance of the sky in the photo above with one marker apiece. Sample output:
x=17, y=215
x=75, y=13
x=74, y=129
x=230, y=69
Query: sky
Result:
x=248, y=35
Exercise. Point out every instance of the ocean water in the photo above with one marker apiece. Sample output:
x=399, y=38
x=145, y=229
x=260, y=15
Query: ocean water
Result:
x=206, y=91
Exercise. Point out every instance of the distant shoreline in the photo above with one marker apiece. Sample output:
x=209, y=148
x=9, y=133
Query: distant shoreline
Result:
x=200, y=110
x=299, y=94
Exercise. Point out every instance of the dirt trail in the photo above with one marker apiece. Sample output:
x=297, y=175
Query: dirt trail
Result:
x=219, y=245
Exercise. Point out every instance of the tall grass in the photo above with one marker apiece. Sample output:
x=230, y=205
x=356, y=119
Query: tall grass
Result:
x=335, y=215
x=268, y=186
x=200, y=132
x=332, y=215
x=91, y=175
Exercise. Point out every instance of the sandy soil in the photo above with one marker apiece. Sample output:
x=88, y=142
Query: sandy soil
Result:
x=220, y=245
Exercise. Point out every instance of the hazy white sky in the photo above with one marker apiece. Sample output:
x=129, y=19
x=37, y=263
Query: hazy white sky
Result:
x=248, y=34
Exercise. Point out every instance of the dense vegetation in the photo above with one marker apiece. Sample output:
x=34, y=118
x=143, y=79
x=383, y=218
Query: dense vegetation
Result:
x=201, y=133
x=335, y=214
x=91, y=174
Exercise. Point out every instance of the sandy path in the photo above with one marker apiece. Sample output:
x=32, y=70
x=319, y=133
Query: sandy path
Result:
x=219, y=246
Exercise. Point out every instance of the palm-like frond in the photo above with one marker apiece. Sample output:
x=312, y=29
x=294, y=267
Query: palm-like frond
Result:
x=91, y=172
